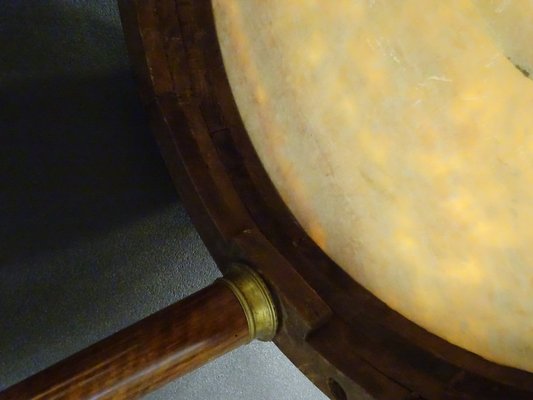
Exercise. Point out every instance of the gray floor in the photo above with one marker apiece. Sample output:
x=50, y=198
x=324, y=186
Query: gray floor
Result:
x=92, y=235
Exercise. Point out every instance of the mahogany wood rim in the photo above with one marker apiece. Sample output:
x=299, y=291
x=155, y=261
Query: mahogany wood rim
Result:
x=340, y=335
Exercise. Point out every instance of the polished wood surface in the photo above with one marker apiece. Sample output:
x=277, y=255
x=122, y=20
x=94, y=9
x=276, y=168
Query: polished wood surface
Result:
x=146, y=355
x=348, y=342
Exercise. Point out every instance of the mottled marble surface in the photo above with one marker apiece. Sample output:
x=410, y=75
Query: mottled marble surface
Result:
x=400, y=135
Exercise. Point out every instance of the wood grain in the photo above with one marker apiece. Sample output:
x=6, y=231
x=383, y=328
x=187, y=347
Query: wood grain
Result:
x=146, y=355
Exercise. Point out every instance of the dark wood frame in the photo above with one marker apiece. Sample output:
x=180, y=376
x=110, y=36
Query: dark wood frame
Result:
x=348, y=342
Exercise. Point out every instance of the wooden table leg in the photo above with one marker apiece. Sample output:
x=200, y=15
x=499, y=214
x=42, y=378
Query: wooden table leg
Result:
x=161, y=347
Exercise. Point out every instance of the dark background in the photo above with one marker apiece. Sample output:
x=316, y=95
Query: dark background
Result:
x=92, y=234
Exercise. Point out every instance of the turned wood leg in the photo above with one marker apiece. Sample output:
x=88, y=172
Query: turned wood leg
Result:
x=168, y=344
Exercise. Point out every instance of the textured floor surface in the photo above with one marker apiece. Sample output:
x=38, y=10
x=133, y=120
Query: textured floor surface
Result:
x=92, y=235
